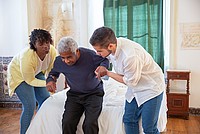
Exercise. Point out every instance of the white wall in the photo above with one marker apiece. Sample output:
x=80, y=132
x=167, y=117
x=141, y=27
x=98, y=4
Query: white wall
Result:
x=88, y=16
x=95, y=17
x=13, y=26
x=81, y=18
x=185, y=11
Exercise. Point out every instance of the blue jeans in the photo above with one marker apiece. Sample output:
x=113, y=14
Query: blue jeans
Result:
x=28, y=95
x=148, y=112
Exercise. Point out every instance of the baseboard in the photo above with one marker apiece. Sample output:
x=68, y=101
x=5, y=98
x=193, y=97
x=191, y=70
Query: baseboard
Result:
x=14, y=105
x=194, y=111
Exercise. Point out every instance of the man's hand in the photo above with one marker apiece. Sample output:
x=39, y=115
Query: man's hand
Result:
x=51, y=86
x=100, y=72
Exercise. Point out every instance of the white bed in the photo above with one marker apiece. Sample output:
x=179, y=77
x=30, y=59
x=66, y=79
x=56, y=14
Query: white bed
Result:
x=48, y=118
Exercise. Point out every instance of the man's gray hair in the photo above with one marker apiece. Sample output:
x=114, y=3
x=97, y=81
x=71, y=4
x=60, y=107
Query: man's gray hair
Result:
x=67, y=44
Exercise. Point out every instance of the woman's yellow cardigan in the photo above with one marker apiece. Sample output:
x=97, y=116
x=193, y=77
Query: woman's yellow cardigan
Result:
x=23, y=66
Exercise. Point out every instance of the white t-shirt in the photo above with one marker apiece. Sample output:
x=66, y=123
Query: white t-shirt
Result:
x=43, y=64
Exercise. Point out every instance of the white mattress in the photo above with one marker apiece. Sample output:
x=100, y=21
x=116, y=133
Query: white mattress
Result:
x=48, y=118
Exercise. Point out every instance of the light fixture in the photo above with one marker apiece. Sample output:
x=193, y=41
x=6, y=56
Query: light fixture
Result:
x=67, y=9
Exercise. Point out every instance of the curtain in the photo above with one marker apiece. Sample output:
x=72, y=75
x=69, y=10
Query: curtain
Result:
x=140, y=21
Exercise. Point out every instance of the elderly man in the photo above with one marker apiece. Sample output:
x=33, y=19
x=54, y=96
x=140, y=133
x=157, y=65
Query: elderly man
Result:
x=80, y=66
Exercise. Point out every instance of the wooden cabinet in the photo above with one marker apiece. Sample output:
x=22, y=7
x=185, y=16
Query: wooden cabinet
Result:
x=178, y=102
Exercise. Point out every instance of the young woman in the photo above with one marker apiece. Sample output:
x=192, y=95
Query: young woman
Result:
x=26, y=74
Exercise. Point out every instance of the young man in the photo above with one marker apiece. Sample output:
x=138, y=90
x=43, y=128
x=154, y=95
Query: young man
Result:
x=80, y=66
x=137, y=69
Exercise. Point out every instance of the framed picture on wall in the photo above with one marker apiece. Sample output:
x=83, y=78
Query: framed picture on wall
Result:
x=190, y=35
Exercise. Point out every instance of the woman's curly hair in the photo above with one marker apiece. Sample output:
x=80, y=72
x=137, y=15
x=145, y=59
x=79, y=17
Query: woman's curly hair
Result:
x=41, y=36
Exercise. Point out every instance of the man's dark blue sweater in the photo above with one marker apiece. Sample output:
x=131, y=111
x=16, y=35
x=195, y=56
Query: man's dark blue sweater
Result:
x=80, y=76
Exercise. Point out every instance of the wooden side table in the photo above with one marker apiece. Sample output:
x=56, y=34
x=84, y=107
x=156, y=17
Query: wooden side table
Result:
x=178, y=102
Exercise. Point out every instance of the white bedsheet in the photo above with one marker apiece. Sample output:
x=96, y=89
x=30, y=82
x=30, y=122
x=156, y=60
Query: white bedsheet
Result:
x=48, y=118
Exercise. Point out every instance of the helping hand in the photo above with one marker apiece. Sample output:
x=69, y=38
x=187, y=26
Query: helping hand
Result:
x=100, y=72
x=51, y=86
